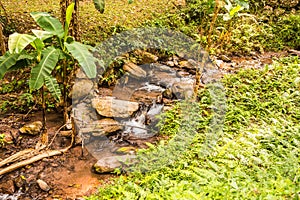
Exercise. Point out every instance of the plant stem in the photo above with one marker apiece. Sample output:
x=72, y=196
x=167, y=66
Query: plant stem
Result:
x=213, y=21
x=65, y=96
x=44, y=136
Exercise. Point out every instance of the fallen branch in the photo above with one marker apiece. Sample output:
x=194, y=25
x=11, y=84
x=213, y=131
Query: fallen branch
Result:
x=32, y=160
x=18, y=156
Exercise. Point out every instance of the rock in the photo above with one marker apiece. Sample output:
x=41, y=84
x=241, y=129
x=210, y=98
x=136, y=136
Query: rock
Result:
x=134, y=70
x=8, y=187
x=225, y=58
x=32, y=129
x=110, y=163
x=162, y=68
x=102, y=127
x=186, y=64
x=145, y=57
x=170, y=63
x=183, y=89
x=189, y=64
x=111, y=107
x=210, y=76
x=81, y=88
x=43, y=185
x=84, y=113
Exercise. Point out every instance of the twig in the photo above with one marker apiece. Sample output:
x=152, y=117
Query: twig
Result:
x=56, y=134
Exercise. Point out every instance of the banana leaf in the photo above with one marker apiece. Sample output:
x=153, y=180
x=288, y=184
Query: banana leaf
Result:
x=39, y=72
x=85, y=59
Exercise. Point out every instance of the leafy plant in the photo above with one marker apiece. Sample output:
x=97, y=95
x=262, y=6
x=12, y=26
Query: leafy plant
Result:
x=53, y=51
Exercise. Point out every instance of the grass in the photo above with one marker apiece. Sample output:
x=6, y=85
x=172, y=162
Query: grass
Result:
x=118, y=15
x=255, y=157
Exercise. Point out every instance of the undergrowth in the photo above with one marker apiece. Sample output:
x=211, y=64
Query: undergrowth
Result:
x=256, y=156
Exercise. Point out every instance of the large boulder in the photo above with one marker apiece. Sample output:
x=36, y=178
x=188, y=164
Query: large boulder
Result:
x=102, y=127
x=111, y=107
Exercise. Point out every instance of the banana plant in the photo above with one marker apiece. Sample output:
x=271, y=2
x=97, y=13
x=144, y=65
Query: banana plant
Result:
x=52, y=50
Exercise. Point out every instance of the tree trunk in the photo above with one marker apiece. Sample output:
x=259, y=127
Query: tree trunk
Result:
x=74, y=25
x=2, y=41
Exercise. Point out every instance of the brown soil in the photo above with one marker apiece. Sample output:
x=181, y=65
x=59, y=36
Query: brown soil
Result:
x=69, y=175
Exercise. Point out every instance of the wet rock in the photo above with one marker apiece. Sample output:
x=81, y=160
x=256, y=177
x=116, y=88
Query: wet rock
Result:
x=82, y=88
x=8, y=187
x=134, y=70
x=145, y=57
x=111, y=107
x=109, y=164
x=43, y=185
x=32, y=129
x=102, y=127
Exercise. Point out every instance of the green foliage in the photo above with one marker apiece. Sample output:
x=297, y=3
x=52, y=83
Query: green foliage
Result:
x=52, y=46
x=2, y=140
x=236, y=29
x=99, y=5
x=256, y=156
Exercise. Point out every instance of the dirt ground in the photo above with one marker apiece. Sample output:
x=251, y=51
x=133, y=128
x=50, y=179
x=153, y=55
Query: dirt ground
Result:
x=69, y=175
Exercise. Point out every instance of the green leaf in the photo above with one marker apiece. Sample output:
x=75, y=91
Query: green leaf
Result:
x=130, y=1
x=42, y=35
x=53, y=87
x=99, y=5
x=7, y=61
x=69, y=12
x=38, y=44
x=44, y=68
x=48, y=23
x=17, y=42
x=84, y=57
